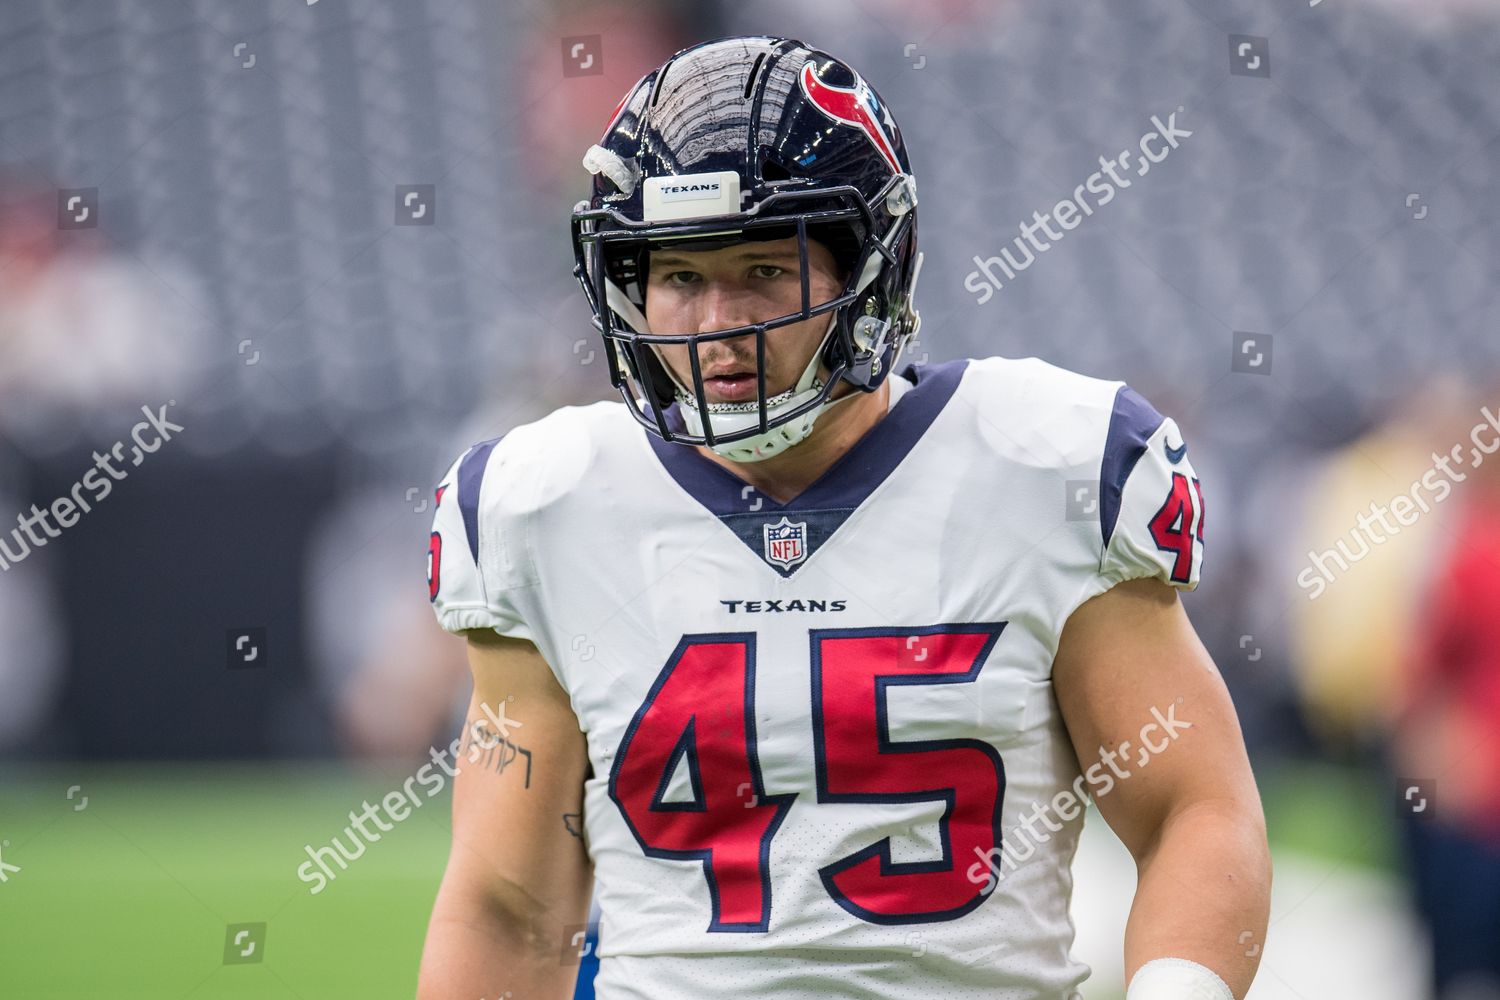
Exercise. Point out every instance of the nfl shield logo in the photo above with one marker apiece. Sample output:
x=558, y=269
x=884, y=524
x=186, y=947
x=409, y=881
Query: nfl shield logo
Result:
x=784, y=543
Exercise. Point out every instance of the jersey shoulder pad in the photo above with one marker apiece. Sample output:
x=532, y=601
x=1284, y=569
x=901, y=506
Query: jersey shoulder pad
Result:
x=1039, y=414
x=482, y=551
x=477, y=559
x=1125, y=461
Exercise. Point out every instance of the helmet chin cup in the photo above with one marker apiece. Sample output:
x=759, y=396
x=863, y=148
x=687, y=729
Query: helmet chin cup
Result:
x=761, y=446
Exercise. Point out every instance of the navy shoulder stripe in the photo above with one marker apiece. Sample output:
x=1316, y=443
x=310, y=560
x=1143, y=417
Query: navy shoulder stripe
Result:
x=1130, y=426
x=470, y=478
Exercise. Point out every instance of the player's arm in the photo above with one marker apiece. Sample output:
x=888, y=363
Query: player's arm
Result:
x=1149, y=715
x=517, y=876
x=1189, y=812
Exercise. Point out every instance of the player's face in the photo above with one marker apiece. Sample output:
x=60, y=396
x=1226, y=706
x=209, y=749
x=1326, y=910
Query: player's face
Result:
x=706, y=290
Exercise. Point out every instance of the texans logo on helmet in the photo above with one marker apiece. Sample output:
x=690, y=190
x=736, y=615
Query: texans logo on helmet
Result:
x=852, y=106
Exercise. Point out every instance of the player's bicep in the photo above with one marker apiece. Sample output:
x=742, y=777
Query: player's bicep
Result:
x=1147, y=712
x=518, y=796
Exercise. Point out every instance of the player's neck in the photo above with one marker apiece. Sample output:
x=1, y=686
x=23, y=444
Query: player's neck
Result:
x=838, y=429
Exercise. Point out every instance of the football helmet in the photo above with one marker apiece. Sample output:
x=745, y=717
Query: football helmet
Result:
x=741, y=139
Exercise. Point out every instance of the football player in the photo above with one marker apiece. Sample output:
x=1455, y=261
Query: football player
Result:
x=818, y=658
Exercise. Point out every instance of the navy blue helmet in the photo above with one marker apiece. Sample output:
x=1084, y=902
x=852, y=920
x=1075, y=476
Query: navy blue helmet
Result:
x=752, y=138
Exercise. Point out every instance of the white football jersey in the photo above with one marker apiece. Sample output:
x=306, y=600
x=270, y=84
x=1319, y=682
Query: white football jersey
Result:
x=816, y=727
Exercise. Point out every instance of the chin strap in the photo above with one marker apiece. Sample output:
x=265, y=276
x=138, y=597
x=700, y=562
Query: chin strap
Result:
x=616, y=299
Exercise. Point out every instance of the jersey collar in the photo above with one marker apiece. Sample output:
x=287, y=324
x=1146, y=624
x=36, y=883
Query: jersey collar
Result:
x=813, y=515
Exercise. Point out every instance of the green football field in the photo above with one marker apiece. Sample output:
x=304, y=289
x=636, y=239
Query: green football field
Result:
x=133, y=894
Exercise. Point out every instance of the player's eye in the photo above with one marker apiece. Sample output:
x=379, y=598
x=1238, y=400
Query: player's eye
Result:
x=767, y=271
x=680, y=278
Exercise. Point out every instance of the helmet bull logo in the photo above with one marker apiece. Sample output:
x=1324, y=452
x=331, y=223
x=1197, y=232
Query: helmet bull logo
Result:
x=852, y=106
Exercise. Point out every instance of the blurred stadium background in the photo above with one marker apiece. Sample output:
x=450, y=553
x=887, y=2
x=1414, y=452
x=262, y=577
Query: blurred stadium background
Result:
x=200, y=207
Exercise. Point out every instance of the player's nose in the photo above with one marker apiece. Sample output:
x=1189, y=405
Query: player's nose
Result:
x=722, y=308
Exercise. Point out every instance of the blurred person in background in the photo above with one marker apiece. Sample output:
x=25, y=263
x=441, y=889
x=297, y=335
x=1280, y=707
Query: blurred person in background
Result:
x=1352, y=614
x=1447, y=731
x=1396, y=649
x=87, y=334
x=87, y=337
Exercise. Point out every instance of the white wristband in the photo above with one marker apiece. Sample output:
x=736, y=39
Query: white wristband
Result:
x=1176, y=979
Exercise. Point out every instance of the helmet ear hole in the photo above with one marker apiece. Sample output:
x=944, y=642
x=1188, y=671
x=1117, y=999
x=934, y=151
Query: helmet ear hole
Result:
x=771, y=171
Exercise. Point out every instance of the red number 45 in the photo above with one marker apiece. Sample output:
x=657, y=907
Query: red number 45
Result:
x=1172, y=526
x=701, y=710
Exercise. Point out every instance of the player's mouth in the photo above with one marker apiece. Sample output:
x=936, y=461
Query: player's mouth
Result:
x=735, y=387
